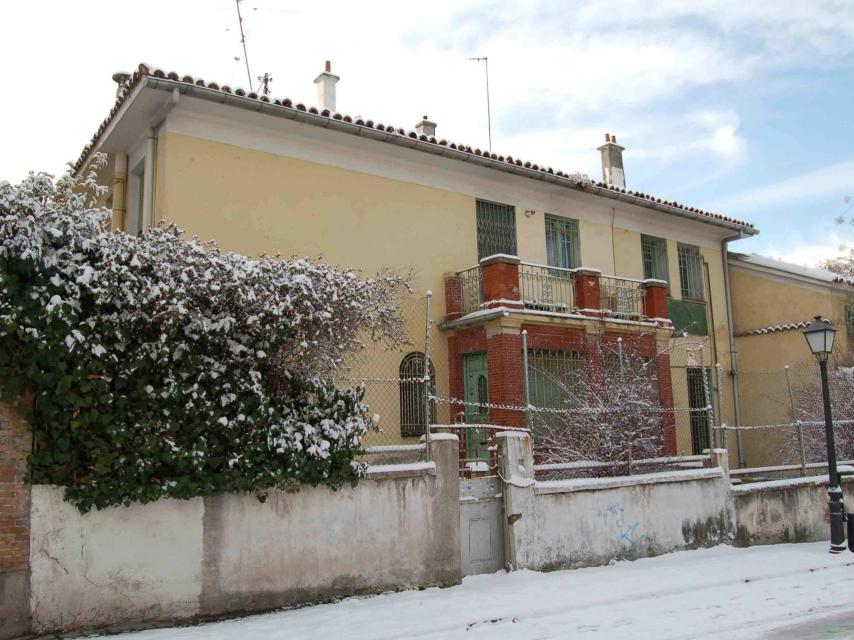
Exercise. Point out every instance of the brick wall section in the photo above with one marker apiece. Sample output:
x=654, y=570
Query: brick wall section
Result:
x=504, y=364
x=453, y=296
x=655, y=300
x=587, y=292
x=501, y=281
x=15, y=447
x=665, y=398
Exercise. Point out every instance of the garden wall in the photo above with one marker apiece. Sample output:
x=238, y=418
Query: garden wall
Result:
x=793, y=510
x=174, y=560
x=592, y=521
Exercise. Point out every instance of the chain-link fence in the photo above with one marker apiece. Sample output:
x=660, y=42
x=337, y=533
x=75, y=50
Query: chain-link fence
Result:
x=398, y=390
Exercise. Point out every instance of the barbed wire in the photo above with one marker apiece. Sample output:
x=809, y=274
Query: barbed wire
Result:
x=554, y=410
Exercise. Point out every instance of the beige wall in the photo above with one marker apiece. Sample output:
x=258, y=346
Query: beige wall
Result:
x=762, y=299
x=259, y=193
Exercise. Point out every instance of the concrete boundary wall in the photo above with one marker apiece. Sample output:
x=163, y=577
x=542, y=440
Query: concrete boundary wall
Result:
x=592, y=521
x=177, y=560
x=793, y=510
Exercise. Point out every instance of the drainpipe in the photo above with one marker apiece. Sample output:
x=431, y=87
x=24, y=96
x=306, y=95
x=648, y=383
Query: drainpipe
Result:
x=733, y=354
x=120, y=179
x=151, y=160
x=148, y=194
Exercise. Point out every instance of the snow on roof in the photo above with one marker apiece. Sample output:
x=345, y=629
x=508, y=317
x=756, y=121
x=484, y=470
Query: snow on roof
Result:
x=814, y=273
x=433, y=145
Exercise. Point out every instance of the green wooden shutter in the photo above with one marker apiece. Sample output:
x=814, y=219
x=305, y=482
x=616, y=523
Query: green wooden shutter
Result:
x=496, y=229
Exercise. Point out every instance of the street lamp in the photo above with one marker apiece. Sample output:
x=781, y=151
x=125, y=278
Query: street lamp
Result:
x=820, y=335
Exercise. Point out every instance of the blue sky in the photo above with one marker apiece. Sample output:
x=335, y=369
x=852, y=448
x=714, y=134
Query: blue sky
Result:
x=741, y=107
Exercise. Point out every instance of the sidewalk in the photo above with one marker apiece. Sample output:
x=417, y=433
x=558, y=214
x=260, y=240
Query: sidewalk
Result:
x=776, y=591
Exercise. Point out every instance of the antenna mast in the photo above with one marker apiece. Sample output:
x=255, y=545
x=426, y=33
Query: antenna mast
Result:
x=243, y=42
x=485, y=61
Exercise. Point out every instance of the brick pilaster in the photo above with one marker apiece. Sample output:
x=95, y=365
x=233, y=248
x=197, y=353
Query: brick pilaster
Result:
x=587, y=292
x=453, y=296
x=15, y=447
x=504, y=365
x=665, y=398
x=655, y=299
x=501, y=281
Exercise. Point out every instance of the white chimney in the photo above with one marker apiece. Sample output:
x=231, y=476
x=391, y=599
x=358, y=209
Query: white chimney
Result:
x=120, y=78
x=426, y=128
x=326, y=88
x=612, y=162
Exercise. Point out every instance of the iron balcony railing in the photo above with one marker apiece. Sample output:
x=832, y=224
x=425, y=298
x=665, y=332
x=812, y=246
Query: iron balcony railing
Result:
x=471, y=289
x=546, y=288
x=621, y=297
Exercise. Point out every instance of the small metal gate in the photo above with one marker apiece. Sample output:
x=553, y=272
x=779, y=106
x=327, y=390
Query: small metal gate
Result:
x=481, y=525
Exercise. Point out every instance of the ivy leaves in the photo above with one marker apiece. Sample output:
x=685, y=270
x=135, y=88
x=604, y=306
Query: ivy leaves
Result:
x=163, y=367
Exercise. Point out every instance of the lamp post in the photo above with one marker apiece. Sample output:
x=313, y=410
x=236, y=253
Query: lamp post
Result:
x=820, y=335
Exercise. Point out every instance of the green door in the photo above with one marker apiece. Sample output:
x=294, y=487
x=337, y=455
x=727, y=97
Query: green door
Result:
x=476, y=391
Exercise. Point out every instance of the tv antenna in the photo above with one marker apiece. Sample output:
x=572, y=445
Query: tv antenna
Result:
x=485, y=61
x=243, y=42
x=264, y=86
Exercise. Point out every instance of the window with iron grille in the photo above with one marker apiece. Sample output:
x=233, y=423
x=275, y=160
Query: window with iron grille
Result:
x=690, y=272
x=552, y=375
x=654, y=253
x=849, y=319
x=698, y=414
x=412, y=390
x=496, y=229
x=562, y=242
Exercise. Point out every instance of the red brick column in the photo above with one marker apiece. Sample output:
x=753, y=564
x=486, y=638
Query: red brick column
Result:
x=15, y=447
x=587, y=295
x=453, y=296
x=504, y=367
x=501, y=281
x=655, y=299
x=665, y=398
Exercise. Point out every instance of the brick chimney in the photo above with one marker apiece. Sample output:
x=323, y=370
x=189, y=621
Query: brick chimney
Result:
x=425, y=127
x=612, y=162
x=326, y=82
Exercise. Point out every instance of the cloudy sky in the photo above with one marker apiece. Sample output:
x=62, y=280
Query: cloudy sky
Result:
x=743, y=107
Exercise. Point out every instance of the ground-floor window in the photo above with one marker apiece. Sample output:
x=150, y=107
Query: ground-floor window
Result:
x=699, y=414
x=413, y=419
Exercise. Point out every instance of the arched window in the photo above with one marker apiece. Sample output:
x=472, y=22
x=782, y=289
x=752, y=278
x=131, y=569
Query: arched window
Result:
x=412, y=388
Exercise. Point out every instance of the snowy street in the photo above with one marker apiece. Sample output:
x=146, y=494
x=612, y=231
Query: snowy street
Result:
x=776, y=591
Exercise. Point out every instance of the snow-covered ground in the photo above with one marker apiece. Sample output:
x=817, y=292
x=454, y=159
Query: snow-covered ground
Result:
x=783, y=591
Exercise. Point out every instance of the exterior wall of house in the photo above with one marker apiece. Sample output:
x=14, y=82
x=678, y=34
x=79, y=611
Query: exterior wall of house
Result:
x=763, y=299
x=260, y=184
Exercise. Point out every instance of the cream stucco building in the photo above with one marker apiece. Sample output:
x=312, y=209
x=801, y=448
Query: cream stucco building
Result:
x=506, y=246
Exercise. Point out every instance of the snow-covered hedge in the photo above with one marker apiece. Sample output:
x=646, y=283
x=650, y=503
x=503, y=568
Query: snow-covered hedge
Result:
x=160, y=366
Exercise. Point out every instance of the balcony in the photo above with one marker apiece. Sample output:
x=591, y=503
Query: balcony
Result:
x=506, y=281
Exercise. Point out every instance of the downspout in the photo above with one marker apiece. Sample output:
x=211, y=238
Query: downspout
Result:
x=733, y=353
x=120, y=181
x=151, y=160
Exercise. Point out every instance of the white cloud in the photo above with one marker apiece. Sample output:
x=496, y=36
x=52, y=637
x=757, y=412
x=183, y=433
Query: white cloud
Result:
x=836, y=179
x=561, y=73
x=809, y=254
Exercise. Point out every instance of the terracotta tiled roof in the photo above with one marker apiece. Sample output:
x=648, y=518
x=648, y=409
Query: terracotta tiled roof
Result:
x=644, y=199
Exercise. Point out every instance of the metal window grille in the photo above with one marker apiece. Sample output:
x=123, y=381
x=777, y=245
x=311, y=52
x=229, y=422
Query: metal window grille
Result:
x=496, y=229
x=562, y=242
x=849, y=319
x=654, y=252
x=552, y=376
x=698, y=413
x=412, y=390
x=691, y=272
